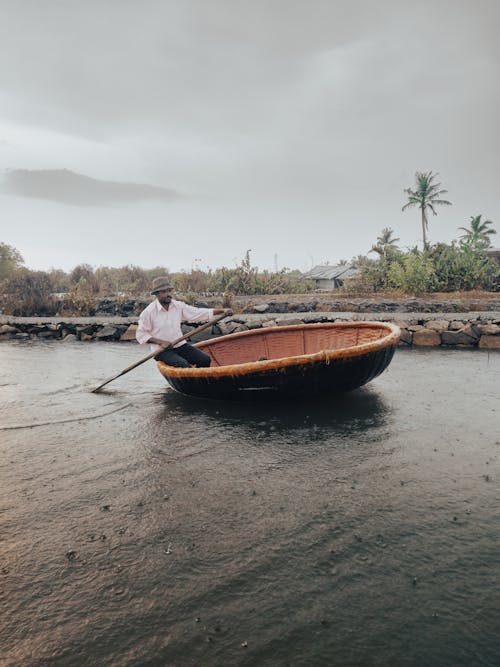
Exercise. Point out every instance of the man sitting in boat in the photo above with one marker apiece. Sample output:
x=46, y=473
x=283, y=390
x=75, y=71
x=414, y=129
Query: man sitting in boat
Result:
x=160, y=325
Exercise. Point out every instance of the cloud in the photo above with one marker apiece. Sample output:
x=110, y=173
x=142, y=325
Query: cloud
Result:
x=68, y=187
x=294, y=127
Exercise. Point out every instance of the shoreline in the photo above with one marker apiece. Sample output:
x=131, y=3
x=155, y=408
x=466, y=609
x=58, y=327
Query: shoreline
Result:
x=475, y=329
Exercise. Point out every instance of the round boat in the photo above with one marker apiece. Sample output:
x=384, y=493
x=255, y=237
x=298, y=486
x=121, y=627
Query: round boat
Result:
x=289, y=360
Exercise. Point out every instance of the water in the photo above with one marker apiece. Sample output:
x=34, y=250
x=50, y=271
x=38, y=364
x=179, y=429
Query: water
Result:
x=140, y=527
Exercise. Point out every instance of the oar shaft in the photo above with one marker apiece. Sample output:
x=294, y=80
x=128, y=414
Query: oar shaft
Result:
x=160, y=349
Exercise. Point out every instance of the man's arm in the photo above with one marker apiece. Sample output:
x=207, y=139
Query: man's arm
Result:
x=159, y=341
x=144, y=331
x=195, y=314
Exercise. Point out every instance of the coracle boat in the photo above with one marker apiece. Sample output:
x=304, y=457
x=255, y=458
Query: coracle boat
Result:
x=289, y=360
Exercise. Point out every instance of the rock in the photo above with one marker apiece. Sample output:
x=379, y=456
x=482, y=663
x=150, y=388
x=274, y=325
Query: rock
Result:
x=206, y=334
x=269, y=323
x=48, y=333
x=304, y=308
x=406, y=337
x=129, y=333
x=426, y=338
x=84, y=329
x=456, y=325
x=86, y=336
x=290, y=322
x=437, y=325
x=470, y=330
x=227, y=327
x=261, y=308
x=489, y=329
x=7, y=329
x=21, y=336
x=66, y=330
x=108, y=332
x=489, y=342
x=279, y=307
x=70, y=338
x=458, y=338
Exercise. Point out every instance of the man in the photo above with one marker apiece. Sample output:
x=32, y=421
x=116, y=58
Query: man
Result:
x=160, y=324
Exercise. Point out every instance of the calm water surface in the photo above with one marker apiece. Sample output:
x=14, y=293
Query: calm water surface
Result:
x=140, y=527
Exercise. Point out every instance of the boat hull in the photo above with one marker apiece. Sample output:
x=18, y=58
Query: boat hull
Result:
x=324, y=371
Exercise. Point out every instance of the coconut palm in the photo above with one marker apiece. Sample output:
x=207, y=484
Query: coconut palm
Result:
x=386, y=243
x=479, y=233
x=426, y=196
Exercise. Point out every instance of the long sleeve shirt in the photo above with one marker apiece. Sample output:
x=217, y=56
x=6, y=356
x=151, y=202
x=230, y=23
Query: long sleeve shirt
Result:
x=157, y=322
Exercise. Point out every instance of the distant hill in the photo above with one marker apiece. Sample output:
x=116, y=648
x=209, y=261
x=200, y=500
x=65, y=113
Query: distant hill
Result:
x=68, y=187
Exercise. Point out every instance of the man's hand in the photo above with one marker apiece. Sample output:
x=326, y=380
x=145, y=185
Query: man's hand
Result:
x=228, y=312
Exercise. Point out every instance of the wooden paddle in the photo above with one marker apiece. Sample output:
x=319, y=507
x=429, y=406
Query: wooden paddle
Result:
x=160, y=349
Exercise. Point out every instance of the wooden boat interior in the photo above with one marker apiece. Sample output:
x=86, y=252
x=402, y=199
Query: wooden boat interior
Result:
x=289, y=341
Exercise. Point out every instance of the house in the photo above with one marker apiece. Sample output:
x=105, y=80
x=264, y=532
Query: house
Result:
x=328, y=277
x=494, y=253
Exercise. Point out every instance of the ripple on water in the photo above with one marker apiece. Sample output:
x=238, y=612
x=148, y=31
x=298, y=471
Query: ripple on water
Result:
x=140, y=526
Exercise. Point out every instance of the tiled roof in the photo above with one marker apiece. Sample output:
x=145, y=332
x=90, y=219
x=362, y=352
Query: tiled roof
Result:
x=327, y=272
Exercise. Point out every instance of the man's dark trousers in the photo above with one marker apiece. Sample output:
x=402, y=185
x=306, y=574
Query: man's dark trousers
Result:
x=184, y=356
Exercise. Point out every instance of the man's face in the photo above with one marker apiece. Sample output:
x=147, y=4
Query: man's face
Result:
x=164, y=297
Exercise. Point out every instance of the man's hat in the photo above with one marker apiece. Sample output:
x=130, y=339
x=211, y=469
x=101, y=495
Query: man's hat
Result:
x=163, y=283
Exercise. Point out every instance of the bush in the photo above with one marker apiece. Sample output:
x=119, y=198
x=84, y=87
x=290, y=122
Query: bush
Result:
x=440, y=268
x=28, y=293
x=10, y=260
x=464, y=267
x=415, y=274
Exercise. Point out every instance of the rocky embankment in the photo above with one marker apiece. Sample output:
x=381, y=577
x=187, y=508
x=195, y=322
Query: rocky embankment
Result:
x=295, y=303
x=421, y=329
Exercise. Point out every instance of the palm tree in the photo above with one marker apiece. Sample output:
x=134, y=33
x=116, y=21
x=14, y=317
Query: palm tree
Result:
x=479, y=233
x=426, y=196
x=386, y=243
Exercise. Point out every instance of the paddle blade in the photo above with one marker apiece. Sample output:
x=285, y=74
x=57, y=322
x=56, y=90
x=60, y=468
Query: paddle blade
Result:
x=96, y=389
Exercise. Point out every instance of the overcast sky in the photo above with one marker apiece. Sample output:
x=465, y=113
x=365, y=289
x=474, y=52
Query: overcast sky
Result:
x=191, y=131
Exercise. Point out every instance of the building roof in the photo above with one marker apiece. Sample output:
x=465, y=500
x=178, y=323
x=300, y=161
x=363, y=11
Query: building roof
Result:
x=328, y=272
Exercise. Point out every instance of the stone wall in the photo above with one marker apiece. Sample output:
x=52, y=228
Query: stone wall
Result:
x=419, y=329
x=294, y=303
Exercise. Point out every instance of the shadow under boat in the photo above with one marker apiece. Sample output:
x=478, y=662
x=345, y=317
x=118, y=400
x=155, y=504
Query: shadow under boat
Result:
x=356, y=411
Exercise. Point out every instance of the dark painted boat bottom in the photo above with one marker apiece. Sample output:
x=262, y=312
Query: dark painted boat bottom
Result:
x=339, y=375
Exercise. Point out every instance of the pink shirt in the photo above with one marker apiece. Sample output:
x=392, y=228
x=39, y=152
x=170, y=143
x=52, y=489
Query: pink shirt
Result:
x=156, y=322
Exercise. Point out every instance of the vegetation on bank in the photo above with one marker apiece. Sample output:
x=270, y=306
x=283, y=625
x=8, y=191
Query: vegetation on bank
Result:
x=27, y=292
x=462, y=265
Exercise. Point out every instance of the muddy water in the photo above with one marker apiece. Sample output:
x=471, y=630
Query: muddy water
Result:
x=140, y=527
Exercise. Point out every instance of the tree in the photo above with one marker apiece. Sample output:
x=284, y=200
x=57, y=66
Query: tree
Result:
x=386, y=244
x=479, y=233
x=426, y=196
x=83, y=279
x=10, y=260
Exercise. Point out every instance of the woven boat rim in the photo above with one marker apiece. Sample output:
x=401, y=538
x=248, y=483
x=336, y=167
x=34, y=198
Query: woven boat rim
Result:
x=325, y=356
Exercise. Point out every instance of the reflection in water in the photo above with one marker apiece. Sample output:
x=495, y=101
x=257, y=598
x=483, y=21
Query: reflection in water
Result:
x=356, y=410
x=183, y=427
